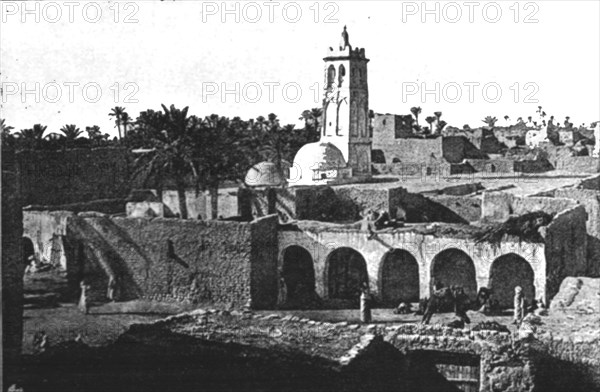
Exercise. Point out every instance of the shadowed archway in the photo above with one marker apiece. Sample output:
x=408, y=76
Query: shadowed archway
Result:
x=27, y=250
x=299, y=275
x=347, y=271
x=507, y=272
x=399, y=277
x=454, y=267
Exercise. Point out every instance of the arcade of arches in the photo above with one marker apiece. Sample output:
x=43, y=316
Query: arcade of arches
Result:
x=398, y=276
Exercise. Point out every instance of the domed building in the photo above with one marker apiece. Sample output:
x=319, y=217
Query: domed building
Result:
x=318, y=163
x=265, y=174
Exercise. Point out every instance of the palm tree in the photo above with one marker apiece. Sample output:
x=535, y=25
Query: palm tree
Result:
x=117, y=112
x=430, y=120
x=171, y=154
x=490, y=121
x=415, y=112
x=5, y=132
x=71, y=132
x=125, y=122
x=32, y=138
x=224, y=149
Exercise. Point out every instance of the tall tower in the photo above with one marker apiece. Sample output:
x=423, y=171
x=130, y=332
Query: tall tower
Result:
x=346, y=105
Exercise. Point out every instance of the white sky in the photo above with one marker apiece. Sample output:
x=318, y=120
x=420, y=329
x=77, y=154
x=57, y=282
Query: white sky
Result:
x=169, y=52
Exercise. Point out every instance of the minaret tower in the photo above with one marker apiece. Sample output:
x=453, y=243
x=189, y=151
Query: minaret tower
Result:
x=346, y=105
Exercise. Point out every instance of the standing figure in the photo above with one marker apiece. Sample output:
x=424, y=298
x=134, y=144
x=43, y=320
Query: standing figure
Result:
x=365, y=304
x=345, y=41
x=461, y=304
x=519, y=306
x=282, y=292
x=110, y=292
x=83, y=299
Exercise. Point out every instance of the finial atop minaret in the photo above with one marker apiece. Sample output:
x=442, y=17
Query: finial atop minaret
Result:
x=345, y=40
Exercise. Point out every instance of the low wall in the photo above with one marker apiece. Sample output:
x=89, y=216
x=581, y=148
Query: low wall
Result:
x=491, y=166
x=498, y=206
x=468, y=208
x=218, y=262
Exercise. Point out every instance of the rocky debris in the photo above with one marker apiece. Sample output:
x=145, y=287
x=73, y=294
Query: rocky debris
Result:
x=578, y=294
x=490, y=326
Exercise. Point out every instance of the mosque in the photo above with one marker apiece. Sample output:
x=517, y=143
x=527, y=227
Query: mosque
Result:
x=344, y=149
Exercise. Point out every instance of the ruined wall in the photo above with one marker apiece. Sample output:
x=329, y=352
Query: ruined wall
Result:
x=12, y=263
x=408, y=150
x=577, y=164
x=498, y=206
x=70, y=176
x=182, y=260
x=468, y=208
x=590, y=199
x=502, y=366
x=199, y=204
x=491, y=166
x=46, y=229
x=566, y=248
x=457, y=148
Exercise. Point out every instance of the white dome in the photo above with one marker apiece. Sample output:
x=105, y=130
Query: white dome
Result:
x=316, y=163
x=265, y=174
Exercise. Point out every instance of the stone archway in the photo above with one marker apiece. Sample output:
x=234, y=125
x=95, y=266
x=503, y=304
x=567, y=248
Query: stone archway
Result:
x=507, y=272
x=299, y=276
x=347, y=272
x=454, y=267
x=399, y=277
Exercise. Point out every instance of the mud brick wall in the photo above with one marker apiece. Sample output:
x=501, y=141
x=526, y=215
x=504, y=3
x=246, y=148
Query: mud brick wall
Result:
x=499, y=206
x=407, y=150
x=213, y=262
x=566, y=248
x=492, y=166
x=590, y=199
x=12, y=263
x=71, y=176
x=469, y=208
x=503, y=367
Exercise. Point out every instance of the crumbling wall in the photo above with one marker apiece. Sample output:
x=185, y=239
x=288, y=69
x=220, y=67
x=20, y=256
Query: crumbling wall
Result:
x=182, y=260
x=468, y=208
x=492, y=166
x=457, y=148
x=46, y=229
x=566, y=248
x=71, y=176
x=408, y=150
x=12, y=263
x=498, y=206
x=590, y=199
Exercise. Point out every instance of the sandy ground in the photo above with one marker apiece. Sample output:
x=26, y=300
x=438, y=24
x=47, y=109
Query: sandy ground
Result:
x=46, y=310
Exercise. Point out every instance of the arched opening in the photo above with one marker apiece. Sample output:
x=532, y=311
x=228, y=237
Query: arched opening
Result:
x=507, y=272
x=330, y=76
x=28, y=251
x=399, y=277
x=299, y=276
x=347, y=272
x=342, y=74
x=454, y=267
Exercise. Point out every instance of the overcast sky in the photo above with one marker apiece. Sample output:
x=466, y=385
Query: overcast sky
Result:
x=182, y=52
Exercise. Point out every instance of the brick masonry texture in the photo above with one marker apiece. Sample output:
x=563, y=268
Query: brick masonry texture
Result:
x=220, y=262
